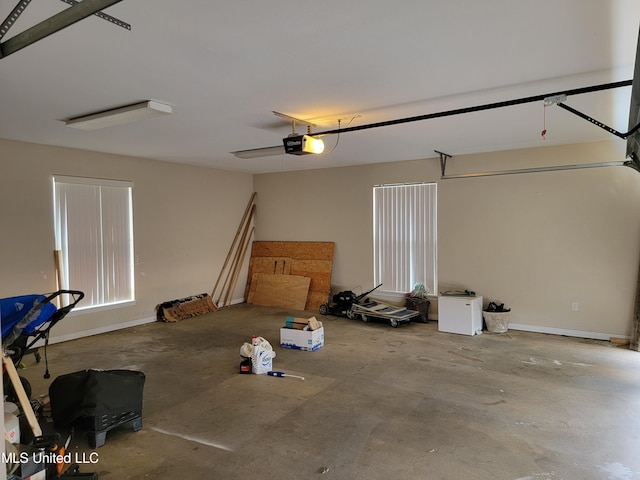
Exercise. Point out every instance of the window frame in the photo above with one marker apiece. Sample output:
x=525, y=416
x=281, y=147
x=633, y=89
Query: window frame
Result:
x=112, y=263
x=413, y=256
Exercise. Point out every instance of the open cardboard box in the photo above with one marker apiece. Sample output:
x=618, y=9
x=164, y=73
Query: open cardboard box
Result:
x=309, y=340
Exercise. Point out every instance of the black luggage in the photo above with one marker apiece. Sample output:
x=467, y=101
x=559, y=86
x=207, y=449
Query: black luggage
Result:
x=97, y=400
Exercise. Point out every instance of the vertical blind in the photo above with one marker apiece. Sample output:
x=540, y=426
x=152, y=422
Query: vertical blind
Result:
x=94, y=234
x=405, y=236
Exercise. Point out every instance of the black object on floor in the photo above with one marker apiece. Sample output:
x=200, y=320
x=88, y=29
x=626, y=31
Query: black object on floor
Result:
x=97, y=400
x=74, y=472
x=419, y=304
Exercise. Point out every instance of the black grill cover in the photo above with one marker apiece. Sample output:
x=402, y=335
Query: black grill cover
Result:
x=95, y=393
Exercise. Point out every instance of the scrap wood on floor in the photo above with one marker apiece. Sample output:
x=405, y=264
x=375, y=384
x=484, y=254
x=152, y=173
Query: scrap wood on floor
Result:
x=176, y=310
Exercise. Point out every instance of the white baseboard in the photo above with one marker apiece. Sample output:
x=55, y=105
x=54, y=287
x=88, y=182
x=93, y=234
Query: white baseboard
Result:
x=434, y=317
x=236, y=301
x=108, y=328
x=565, y=332
x=97, y=331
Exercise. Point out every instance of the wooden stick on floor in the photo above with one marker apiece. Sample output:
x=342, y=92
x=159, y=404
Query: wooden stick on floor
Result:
x=22, y=396
x=224, y=266
x=57, y=265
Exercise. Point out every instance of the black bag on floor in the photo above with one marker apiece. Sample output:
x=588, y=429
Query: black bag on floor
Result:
x=96, y=395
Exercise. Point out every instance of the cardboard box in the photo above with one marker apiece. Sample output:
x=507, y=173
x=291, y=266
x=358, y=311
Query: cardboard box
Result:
x=314, y=324
x=296, y=326
x=309, y=340
x=303, y=323
x=297, y=323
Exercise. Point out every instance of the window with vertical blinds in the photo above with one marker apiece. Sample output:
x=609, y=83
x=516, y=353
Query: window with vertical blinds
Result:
x=405, y=236
x=94, y=235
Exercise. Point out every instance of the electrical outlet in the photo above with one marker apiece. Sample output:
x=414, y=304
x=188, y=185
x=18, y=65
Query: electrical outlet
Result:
x=574, y=306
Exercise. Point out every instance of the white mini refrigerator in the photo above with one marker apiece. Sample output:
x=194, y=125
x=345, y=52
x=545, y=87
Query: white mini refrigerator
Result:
x=461, y=315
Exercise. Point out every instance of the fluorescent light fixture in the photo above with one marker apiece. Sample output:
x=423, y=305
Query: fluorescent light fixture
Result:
x=118, y=116
x=260, y=152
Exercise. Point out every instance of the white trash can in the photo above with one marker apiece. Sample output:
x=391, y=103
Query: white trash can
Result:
x=497, y=322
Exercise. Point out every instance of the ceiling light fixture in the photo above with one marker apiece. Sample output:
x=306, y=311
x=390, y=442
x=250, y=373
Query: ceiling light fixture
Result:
x=260, y=152
x=118, y=116
x=303, y=144
x=297, y=144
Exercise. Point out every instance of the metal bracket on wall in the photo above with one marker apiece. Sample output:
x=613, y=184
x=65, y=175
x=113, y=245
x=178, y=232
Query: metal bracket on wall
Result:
x=69, y=16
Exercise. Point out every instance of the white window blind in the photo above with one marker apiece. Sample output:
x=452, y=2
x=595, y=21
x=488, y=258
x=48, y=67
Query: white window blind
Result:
x=94, y=234
x=405, y=236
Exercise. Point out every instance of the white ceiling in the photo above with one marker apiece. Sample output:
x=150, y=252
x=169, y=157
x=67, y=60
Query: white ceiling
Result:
x=225, y=66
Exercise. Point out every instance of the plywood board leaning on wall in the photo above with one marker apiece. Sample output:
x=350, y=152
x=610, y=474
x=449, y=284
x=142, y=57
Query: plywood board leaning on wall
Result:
x=285, y=291
x=305, y=259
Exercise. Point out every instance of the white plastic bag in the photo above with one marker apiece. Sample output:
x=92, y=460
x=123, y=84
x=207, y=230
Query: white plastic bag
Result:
x=262, y=356
x=246, y=350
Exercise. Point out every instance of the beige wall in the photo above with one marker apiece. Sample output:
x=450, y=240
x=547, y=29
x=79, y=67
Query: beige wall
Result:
x=185, y=219
x=537, y=241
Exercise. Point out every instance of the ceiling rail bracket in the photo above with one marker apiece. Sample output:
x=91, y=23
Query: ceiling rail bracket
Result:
x=104, y=16
x=597, y=123
x=553, y=168
x=443, y=161
x=13, y=16
x=65, y=18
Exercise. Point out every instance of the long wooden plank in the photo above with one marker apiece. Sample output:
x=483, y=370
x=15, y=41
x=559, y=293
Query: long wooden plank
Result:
x=22, y=396
x=233, y=244
x=285, y=291
x=234, y=264
x=244, y=253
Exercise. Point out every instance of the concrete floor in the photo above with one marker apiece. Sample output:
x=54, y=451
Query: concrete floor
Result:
x=376, y=403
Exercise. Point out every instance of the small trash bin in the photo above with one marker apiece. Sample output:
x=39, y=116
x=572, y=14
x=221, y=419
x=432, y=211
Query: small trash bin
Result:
x=497, y=322
x=420, y=305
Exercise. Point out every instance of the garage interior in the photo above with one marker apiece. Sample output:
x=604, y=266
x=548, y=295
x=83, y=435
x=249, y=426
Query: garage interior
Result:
x=375, y=402
x=540, y=212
